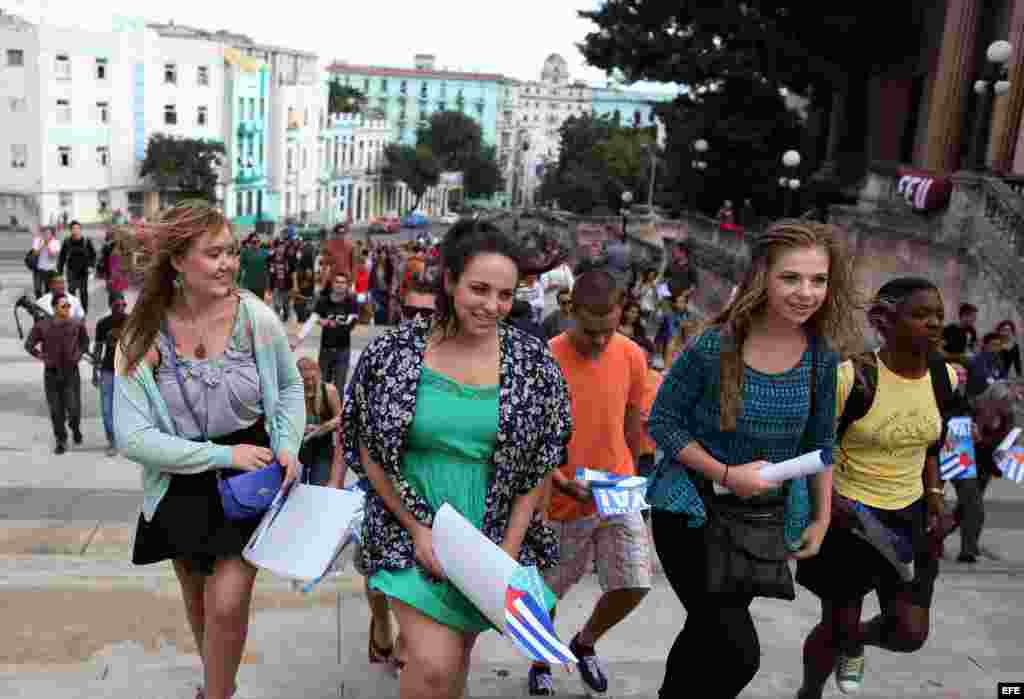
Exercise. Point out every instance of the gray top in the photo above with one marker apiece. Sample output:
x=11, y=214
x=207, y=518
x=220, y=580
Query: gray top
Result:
x=224, y=390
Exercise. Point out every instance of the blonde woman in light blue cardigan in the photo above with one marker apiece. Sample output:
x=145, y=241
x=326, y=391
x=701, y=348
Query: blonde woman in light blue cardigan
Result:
x=234, y=403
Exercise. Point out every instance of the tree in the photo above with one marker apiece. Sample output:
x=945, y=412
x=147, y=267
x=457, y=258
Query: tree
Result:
x=453, y=137
x=184, y=165
x=344, y=99
x=745, y=123
x=597, y=162
x=481, y=176
x=416, y=166
x=804, y=47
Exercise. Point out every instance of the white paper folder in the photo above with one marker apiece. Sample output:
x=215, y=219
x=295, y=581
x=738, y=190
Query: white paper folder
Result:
x=303, y=532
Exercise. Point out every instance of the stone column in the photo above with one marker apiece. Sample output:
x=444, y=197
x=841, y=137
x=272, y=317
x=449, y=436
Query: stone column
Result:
x=1004, y=138
x=952, y=80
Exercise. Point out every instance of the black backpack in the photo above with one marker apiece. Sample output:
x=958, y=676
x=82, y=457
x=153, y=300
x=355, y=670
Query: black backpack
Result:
x=865, y=384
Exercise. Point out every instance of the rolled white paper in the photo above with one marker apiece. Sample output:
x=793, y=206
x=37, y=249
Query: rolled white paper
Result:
x=804, y=465
x=798, y=467
x=479, y=568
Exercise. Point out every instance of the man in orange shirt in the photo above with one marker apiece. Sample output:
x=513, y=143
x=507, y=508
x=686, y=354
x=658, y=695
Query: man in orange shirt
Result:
x=607, y=377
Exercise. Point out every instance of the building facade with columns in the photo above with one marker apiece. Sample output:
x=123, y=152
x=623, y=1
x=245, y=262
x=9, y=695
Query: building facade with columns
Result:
x=924, y=112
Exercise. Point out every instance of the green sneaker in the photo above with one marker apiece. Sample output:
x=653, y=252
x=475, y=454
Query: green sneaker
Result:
x=850, y=673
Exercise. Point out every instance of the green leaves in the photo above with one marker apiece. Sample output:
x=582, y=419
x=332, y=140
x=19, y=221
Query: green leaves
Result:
x=453, y=137
x=344, y=99
x=185, y=165
x=416, y=166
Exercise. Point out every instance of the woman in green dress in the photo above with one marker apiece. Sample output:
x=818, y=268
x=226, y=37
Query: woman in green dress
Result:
x=465, y=410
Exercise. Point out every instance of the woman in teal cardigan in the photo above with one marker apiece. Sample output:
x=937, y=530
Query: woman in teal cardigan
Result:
x=205, y=387
x=757, y=386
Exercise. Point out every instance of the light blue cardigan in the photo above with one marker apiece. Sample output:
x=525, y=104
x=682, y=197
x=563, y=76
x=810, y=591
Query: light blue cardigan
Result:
x=146, y=434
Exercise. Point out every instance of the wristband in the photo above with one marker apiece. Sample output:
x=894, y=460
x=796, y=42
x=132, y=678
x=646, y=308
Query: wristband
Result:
x=937, y=491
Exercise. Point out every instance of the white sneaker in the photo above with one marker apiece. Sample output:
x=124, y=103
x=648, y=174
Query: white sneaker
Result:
x=850, y=673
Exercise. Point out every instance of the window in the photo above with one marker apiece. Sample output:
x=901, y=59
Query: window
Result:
x=64, y=156
x=103, y=112
x=18, y=104
x=62, y=67
x=170, y=114
x=19, y=155
x=65, y=199
x=103, y=200
x=15, y=58
x=239, y=208
x=290, y=160
x=248, y=203
x=63, y=112
x=170, y=74
x=241, y=109
x=262, y=106
x=201, y=116
x=288, y=203
x=305, y=116
x=305, y=158
x=402, y=86
x=101, y=69
x=384, y=85
x=103, y=156
x=202, y=76
x=423, y=91
x=136, y=204
x=366, y=86
x=252, y=108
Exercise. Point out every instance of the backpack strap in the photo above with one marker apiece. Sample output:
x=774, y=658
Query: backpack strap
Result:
x=945, y=398
x=862, y=392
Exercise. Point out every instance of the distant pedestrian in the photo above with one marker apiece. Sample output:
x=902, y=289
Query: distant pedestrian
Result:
x=1010, y=353
x=323, y=410
x=60, y=343
x=77, y=258
x=986, y=367
x=58, y=286
x=47, y=248
x=108, y=334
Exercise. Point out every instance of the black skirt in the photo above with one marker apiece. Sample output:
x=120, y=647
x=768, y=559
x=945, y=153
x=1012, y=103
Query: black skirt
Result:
x=189, y=523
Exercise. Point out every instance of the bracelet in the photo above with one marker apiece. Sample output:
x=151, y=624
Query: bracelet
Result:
x=725, y=478
x=937, y=491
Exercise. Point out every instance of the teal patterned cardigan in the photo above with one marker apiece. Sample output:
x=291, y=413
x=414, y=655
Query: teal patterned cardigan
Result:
x=773, y=424
x=145, y=431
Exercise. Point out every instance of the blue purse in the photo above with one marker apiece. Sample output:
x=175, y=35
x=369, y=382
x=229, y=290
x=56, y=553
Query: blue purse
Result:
x=247, y=495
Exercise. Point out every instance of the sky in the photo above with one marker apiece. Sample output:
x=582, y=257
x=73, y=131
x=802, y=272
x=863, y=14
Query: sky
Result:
x=512, y=38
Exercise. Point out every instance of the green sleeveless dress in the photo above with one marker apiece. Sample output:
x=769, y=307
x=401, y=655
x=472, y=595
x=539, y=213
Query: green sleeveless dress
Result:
x=447, y=460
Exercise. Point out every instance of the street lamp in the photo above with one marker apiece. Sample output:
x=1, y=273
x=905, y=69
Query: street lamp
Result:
x=699, y=165
x=789, y=183
x=994, y=81
x=627, y=199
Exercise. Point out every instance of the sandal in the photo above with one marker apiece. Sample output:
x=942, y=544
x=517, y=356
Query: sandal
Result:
x=375, y=653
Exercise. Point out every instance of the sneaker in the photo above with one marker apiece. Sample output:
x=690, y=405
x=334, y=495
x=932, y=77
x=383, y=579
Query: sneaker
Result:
x=540, y=682
x=60, y=448
x=850, y=673
x=77, y=436
x=595, y=681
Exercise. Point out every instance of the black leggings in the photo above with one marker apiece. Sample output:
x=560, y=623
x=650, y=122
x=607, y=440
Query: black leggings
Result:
x=717, y=626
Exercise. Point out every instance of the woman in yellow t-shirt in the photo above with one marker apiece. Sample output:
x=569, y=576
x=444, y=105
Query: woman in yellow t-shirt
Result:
x=883, y=475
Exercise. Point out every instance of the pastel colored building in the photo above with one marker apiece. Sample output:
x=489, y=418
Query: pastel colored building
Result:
x=247, y=85
x=407, y=97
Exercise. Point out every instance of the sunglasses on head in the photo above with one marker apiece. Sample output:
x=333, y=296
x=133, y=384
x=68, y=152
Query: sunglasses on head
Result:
x=410, y=312
x=64, y=305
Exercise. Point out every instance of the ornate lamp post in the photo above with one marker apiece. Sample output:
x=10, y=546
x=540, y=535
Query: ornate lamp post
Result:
x=994, y=81
x=699, y=165
x=789, y=183
x=627, y=200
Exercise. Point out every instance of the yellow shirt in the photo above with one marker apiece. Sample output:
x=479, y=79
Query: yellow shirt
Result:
x=881, y=458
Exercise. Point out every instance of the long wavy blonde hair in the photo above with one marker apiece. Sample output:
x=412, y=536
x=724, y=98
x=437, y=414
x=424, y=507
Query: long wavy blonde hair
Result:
x=836, y=322
x=167, y=239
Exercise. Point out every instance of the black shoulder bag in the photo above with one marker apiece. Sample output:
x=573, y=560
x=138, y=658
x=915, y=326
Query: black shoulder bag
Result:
x=746, y=547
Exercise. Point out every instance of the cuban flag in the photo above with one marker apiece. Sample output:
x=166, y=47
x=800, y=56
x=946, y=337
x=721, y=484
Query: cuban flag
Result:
x=529, y=626
x=956, y=458
x=615, y=495
x=1011, y=463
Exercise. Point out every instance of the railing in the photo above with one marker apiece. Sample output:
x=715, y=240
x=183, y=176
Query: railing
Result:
x=1004, y=209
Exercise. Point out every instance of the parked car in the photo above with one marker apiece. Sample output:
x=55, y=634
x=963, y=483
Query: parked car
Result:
x=449, y=218
x=385, y=224
x=415, y=220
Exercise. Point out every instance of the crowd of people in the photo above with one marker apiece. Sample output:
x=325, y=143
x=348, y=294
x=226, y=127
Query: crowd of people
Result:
x=498, y=381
